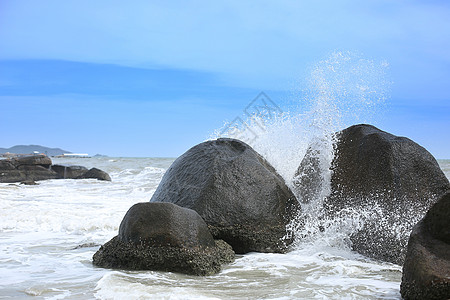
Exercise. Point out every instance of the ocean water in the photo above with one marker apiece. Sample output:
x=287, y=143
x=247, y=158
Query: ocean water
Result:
x=49, y=232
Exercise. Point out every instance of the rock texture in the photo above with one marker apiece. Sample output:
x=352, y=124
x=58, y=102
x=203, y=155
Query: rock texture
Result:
x=426, y=272
x=40, y=160
x=95, y=174
x=165, y=237
x=69, y=171
x=29, y=168
x=371, y=162
x=236, y=191
x=39, y=167
x=389, y=181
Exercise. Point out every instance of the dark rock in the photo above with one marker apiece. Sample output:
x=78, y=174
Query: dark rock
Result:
x=236, y=191
x=373, y=162
x=426, y=272
x=6, y=164
x=38, y=167
x=390, y=181
x=29, y=182
x=95, y=174
x=9, y=176
x=27, y=173
x=437, y=219
x=69, y=172
x=37, y=172
x=164, y=237
x=164, y=224
x=42, y=160
x=28, y=168
x=86, y=245
x=309, y=181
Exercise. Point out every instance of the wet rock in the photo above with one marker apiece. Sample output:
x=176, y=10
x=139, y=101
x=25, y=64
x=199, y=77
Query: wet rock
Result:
x=9, y=176
x=86, y=245
x=95, y=173
x=309, y=179
x=29, y=182
x=28, y=168
x=426, y=271
x=31, y=168
x=164, y=237
x=69, y=171
x=388, y=181
x=6, y=164
x=41, y=160
x=236, y=191
x=370, y=162
x=37, y=172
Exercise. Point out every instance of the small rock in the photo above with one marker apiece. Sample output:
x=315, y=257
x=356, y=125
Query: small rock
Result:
x=29, y=182
x=95, y=174
x=86, y=245
x=164, y=237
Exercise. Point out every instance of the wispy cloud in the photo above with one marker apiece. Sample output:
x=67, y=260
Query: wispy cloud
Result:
x=259, y=43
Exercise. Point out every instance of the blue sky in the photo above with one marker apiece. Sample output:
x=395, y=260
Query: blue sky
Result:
x=153, y=78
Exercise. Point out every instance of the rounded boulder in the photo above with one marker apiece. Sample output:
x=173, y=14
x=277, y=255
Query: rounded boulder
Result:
x=236, y=191
x=95, y=173
x=164, y=237
x=426, y=271
x=387, y=182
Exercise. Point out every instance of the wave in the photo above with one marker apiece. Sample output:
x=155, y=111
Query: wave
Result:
x=341, y=90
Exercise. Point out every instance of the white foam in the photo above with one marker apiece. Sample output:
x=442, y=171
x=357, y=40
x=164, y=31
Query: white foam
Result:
x=342, y=90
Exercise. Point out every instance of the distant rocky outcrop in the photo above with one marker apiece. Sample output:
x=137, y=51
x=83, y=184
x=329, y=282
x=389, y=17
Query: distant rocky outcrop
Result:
x=30, y=149
x=390, y=181
x=39, y=167
x=236, y=191
x=30, y=168
x=426, y=272
x=164, y=237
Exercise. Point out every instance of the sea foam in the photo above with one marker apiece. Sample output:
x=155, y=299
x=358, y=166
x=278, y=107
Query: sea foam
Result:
x=342, y=90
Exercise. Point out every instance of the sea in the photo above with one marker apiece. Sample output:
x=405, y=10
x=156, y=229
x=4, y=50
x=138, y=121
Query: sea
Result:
x=49, y=232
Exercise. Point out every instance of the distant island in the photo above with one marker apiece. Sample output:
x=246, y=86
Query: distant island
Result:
x=30, y=149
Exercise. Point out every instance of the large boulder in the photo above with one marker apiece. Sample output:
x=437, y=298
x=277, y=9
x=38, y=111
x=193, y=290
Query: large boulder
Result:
x=399, y=172
x=236, y=191
x=426, y=272
x=164, y=237
x=389, y=182
x=95, y=173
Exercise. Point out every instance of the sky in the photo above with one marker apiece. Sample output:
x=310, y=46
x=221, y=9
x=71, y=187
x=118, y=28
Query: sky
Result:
x=154, y=78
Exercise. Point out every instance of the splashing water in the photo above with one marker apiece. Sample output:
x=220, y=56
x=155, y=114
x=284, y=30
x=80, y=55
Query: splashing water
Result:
x=342, y=90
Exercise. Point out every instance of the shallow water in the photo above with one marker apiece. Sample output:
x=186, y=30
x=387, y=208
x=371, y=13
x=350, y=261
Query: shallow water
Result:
x=43, y=226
